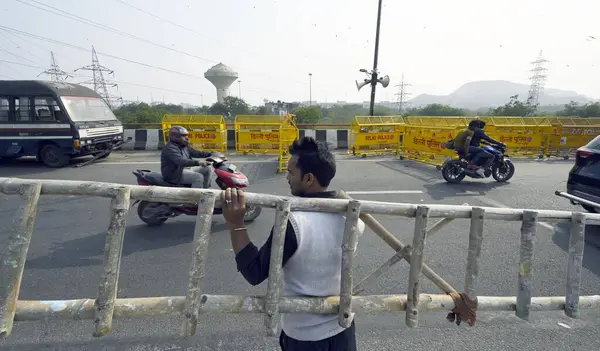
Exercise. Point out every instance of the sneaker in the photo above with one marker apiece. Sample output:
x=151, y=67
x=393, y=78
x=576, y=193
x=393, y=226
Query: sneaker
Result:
x=481, y=172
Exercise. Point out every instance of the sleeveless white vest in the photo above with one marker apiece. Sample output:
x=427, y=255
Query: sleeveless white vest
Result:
x=314, y=270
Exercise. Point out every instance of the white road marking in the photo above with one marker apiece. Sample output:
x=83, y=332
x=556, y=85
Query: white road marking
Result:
x=131, y=162
x=495, y=203
x=375, y=192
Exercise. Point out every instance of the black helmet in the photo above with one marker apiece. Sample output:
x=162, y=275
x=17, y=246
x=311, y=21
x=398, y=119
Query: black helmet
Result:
x=179, y=135
x=474, y=124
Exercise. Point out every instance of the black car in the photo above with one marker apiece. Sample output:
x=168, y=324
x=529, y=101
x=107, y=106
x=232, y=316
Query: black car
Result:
x=584, y=177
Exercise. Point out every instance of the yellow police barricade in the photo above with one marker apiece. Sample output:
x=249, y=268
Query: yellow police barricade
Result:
x=424, y=138
x=266, y=135
x=288, y=133
x=207, y=132
x=523, y=136
x=567, y=134
x=375, y=135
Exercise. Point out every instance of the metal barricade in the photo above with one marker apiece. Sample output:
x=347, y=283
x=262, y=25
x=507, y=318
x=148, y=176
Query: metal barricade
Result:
x=375, y=135
x=523, y=136
x=424, y=138
x=567, y=134
x=107, y=306
x=207, y=132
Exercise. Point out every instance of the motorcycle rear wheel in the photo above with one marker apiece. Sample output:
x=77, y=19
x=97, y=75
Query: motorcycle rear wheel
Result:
x=152, y=221
x=452, y=172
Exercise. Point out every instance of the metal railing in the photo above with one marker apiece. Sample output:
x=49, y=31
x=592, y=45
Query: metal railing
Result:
x=107, y=306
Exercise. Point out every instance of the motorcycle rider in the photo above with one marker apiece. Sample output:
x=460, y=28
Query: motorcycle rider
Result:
x=480, y=157
x=177, y=165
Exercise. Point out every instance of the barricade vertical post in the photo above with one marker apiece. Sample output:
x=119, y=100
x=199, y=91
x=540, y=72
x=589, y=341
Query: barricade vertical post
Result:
x=107, y=294
x=528, y=229
x=193, y=298
x=576, y=246
x=275, y=267
x=346, y=316
x=11, y=271
x=416, y=265
x=475, y=241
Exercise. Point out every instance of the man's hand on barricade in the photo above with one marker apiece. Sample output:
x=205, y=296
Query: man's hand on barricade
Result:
x=234, y=206
x=465, y=309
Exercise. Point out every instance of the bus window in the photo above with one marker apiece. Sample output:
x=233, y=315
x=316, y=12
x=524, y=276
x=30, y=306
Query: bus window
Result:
x=4, y=109
x=47, y=110
x=87, y=109
x=22, y=109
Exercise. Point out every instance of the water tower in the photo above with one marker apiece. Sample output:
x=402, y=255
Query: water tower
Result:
x=221, y=77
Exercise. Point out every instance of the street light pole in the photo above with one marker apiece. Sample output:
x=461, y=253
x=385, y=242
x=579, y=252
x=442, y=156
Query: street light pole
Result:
x=310, y=89
x=240, y=88
x=376, y=56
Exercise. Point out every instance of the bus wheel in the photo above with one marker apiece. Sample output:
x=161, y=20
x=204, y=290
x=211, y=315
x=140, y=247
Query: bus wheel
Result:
x=53, y=157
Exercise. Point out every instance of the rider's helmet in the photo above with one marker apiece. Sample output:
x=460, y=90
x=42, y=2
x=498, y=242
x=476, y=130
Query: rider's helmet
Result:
x=474, y=124
x=179, y=135
x=481, y=124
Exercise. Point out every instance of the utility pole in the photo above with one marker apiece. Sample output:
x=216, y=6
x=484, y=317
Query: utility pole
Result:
x=310, y=89
x=98, y=81
x=373, y=75
x=240, y=89
x=55, y=73
x=402, y=94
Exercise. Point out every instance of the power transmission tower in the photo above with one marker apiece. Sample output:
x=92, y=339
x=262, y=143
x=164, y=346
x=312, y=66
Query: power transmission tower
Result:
x=402, y=94
x=100, y=84
x=55, y=73
x=538, y=79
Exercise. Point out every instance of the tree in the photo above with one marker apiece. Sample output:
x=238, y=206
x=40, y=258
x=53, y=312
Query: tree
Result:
x=436, y=110
x=514, y=107
x=308, y=115
x=575, y=110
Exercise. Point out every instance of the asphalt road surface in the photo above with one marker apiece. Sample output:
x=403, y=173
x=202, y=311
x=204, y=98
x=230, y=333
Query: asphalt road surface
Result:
x=65, y=260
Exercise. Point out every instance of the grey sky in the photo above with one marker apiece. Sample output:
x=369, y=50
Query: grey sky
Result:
x=274, y=44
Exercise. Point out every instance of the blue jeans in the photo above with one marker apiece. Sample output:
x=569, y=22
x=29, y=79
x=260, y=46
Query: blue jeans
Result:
x=480, y=157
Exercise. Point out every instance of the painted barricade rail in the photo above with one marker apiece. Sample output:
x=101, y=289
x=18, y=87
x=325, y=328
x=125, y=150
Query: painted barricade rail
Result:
x=375, y=135
x=207, y=132
x=567, y=134
x=425, y=137
x=523, y=136
x=107, y=305
x=261, y=134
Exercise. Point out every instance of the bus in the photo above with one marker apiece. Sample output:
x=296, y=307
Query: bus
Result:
x=55, y=122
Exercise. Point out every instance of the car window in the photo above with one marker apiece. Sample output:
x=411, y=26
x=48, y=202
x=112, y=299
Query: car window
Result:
x=594, y=144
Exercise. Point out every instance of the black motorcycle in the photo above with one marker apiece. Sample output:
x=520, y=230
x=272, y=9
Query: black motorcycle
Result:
x=502, y=169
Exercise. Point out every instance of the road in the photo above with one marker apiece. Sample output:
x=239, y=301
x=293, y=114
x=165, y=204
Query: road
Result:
x=65, y=260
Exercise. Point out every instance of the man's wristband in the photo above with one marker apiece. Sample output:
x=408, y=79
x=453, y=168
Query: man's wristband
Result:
x=239, y=229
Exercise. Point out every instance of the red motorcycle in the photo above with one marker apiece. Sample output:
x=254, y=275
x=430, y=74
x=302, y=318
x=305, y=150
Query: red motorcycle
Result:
x=156, y=213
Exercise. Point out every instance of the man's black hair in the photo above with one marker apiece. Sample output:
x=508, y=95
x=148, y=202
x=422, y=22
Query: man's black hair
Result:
x=314, y=157
x=474, y=124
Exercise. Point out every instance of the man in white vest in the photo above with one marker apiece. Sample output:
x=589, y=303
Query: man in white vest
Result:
x=312, y=253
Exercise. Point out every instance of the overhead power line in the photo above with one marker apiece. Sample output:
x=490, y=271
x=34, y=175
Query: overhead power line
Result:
x=84, y=20
x=116, y=81
x=39, y=37
x=63, y=13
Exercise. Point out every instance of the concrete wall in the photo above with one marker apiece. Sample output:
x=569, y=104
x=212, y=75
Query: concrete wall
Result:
x=152, y=139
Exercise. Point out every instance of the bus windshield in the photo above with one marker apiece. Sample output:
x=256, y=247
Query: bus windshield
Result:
x=87, y=109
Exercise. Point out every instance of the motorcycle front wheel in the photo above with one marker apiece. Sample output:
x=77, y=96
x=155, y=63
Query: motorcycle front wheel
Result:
x=151, y=214
x=503, y=171
x=453, y=172
x=252, y=212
